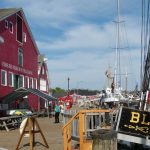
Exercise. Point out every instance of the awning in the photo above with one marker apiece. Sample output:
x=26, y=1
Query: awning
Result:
x=22, y=92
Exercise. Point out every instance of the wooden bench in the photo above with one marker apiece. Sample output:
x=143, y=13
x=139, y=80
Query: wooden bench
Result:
x=10, y=122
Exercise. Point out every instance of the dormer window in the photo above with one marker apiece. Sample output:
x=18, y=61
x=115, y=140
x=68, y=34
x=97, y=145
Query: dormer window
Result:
x=11, y=27
x=6, y=24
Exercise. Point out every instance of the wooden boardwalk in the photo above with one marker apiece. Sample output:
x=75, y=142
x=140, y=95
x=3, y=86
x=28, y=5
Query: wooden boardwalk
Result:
x=51, y=131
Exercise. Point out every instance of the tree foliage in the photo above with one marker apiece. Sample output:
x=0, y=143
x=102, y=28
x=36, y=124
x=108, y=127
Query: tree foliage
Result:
x=58, y=92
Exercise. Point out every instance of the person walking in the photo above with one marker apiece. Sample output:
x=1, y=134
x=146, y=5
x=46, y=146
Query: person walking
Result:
x=62, y=109
x=57, y=112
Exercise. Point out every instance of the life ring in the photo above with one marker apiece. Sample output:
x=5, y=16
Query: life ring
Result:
x=22, y=126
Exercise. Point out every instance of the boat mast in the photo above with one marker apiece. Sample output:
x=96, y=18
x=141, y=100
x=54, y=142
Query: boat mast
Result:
x=117, y=65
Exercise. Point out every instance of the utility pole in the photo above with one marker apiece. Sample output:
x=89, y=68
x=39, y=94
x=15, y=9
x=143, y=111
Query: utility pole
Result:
x=68, y=86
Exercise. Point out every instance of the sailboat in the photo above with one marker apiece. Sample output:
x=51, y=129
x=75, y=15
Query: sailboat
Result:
x=113, y=90
x=112, y=94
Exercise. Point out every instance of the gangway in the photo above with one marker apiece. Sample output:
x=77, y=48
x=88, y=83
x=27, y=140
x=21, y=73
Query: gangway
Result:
x=79, y=127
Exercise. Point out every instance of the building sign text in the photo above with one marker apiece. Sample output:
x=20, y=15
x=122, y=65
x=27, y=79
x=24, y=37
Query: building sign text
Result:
x=16, y=68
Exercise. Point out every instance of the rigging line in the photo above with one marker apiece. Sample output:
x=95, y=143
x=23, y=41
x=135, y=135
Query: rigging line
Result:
x=129, y=50
x=146, y=29
x=141, y=72
x=143, y=29
x=143, y=32
x=148, y=23
x=118, y=39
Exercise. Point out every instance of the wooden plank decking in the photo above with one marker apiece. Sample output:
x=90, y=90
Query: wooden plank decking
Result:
x=51, y=131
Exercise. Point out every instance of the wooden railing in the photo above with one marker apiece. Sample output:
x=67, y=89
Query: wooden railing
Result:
x=84, y=122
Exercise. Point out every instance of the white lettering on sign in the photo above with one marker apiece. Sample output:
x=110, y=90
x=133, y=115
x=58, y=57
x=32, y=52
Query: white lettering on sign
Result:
x=16, y=68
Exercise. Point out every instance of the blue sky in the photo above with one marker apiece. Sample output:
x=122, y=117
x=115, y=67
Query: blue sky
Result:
x=78, y=39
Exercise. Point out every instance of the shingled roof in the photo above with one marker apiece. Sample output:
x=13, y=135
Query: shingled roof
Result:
x=7, y=12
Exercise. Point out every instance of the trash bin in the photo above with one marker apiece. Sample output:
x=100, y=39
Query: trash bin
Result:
x=104, y=139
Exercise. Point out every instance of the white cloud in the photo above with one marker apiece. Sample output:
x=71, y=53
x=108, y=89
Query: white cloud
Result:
x=81, y=37
x=90, y=54
x=94, y=37
x=58, y=12
x=90, y=68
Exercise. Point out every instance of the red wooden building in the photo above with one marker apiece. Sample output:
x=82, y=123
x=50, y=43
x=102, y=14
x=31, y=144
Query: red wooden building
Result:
x=43, y=77
x=19, y=60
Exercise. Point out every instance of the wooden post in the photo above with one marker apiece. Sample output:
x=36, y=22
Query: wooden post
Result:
x=30, y=124
x=104, y=139
x=81, y=128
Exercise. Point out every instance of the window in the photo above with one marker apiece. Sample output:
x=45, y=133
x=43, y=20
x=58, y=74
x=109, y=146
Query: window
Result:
x=35, y=83
x=31, y=82
x=42, y=84
x=11, y=79
x=3, y=77
x=19, y=29
x=6, y=24
x=18, y=81
x=20, y=57
x=21, y=81
x=26, y=82
x=11, y=27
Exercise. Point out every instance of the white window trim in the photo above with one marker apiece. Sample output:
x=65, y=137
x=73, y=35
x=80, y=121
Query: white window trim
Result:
x=12, y=27
x=31, y=82
x=22, y=80
x=24, y=37
x=28, y=82
x=6, y=21
x=27, y=79
x=5, y=77
x=12, y=80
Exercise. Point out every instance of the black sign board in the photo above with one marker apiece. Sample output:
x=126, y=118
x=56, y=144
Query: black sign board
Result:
x=134, y=121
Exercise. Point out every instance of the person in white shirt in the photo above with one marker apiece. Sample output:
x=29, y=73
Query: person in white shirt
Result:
x=62, y=109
